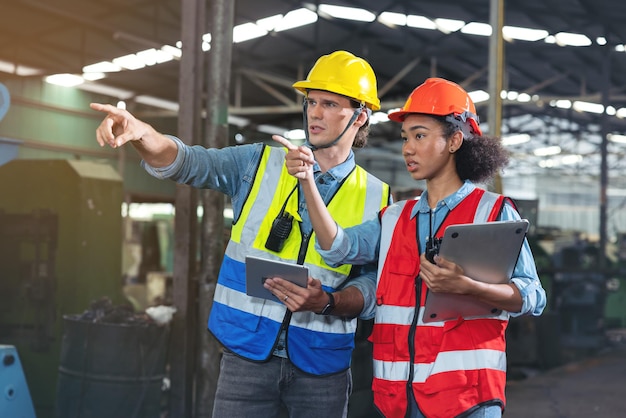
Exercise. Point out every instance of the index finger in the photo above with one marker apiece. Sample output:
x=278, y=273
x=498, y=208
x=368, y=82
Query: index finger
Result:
x=284, y=142
x=106, y=108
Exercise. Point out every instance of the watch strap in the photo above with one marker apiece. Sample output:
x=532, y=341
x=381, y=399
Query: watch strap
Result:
x=329, y=306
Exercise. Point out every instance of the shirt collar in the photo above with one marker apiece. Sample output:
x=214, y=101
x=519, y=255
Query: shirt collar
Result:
x=340, y=171
x=450, y=201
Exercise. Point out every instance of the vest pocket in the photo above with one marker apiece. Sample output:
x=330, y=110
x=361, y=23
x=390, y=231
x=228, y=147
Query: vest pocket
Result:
x=398, y=286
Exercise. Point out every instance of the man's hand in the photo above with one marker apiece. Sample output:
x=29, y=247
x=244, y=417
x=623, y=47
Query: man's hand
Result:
x=296, y=298
x=299, y=160
x=119, y=126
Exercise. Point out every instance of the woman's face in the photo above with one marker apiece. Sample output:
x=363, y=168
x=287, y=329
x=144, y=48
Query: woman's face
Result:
x=425, y=149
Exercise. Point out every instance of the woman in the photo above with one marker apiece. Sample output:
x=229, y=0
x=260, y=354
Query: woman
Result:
x=435, y=369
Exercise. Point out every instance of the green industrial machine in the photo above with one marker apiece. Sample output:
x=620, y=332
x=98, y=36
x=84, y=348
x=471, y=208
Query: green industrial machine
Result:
x=60, y=249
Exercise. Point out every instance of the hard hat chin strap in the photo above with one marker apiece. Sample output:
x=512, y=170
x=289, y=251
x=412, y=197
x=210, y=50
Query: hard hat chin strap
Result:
x=307, y=143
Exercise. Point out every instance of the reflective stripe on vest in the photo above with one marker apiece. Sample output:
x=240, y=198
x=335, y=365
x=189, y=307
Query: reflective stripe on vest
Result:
x=461, y=359
x=250, y=326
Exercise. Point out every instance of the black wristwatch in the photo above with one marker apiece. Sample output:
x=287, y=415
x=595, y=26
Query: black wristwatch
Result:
x=329, y=306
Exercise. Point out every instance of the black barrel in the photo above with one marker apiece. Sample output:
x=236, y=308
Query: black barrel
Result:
x=111, y=370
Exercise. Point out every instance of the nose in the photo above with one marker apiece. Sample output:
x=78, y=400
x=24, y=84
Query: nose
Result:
x=314, y=111
x=407, y=149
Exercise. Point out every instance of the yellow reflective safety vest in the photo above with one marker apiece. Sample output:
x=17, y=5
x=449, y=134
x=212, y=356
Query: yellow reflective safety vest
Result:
x=250, y=326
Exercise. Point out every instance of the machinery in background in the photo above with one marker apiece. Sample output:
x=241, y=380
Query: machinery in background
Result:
x=60, y=249
x=15, y=401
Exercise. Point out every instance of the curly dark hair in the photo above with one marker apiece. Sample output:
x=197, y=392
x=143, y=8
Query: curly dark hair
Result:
x=478, y=159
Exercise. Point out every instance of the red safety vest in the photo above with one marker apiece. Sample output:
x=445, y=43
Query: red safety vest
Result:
x=451, y=366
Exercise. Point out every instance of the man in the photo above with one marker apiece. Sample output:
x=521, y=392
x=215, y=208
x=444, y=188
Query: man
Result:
x=294, y=350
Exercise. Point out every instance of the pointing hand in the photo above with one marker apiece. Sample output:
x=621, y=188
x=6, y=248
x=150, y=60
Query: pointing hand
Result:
x=299, y=159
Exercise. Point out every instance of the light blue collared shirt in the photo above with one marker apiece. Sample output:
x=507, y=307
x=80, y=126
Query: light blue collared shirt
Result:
x=360, y=244
x=231, y=170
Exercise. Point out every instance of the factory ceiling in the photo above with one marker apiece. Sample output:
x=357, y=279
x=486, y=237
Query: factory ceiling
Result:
x=550, y=87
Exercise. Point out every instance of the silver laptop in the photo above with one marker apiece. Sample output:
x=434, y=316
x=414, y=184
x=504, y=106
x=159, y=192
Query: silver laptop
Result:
x=487, y=252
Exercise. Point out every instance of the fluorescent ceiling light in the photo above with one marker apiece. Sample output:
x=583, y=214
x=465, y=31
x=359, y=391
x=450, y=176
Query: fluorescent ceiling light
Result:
x=295, y=19
x=524, y=98
x=565, y=160
x=156, y=102
x=523, y=34
x=571, y=39
x=93, y=76
x=247, y=31
x=571, y=159
x=562, y=104
x=510, y=95
x=270, y=129
x=267, y=23
x=105, y=90
x=588, y=107
x=21, y=70
x=601, y=40
x=449, y=25
x=515, y=139
x=392, y=19
x=617, y=138
x=172, y=50
x=65, y=80
x=621, y=112
x=295, y=134
x=349, y=13
x=476, y=28
x=478, y=96
x=420, y=22
x=102, y=67
x=545, y=151
x=130, y=62
x=378, y=117
x=154, y=56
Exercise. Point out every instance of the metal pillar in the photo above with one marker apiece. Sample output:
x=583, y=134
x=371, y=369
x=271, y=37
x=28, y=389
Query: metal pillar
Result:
x=183, y=338
x=606, y=82
x=213, y=238
x=496, y=74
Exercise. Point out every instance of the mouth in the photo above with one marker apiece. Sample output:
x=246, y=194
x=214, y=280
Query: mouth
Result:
x=315, y=129
x=411, y=165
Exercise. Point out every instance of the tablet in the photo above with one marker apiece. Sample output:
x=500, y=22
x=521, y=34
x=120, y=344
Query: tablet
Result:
x=259, y=269
x=487, y=252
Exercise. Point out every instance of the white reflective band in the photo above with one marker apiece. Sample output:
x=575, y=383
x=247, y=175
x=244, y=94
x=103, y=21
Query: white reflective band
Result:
x=402, y=315
x=245, y=303
x=448, y=361
x=323, y=323
x=394, y=315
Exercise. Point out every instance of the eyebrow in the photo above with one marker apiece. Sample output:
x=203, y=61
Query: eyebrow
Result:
x=415, y=127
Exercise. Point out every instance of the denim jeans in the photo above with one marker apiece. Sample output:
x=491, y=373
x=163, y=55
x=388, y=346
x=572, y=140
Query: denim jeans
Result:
x=248, y=389
x=487, y=411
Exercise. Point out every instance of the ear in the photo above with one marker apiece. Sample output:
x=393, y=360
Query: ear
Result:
x=456, y=140
x=362, y=118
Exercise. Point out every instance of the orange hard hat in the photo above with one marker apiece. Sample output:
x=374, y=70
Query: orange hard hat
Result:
x=440, y=97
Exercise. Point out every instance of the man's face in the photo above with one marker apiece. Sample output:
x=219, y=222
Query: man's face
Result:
x=328, y=115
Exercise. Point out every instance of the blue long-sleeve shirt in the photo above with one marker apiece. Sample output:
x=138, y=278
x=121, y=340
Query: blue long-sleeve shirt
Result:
x=360, y=244
x=231, y=170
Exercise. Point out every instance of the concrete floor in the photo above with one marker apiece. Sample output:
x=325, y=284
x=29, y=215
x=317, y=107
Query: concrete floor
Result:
x=592, y=387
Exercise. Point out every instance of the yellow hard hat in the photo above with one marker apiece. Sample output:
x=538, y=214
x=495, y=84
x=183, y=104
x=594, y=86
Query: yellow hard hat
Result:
x=343, y=73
